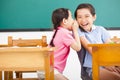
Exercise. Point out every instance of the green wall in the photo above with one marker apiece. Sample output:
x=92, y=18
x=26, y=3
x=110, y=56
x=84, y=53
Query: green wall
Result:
x=36, y=14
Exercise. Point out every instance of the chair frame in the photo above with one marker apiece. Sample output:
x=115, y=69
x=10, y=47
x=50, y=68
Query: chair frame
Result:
x=26, y=42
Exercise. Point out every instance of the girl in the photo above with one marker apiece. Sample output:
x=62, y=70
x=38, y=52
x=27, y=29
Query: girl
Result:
x=90, y=33
x=63, y=39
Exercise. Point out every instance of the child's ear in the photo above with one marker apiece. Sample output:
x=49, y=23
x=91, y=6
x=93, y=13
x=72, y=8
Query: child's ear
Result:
x=65, y=21
x=94, y=17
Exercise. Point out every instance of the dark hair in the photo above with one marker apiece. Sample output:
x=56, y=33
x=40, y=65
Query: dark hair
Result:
x=57, y=16
x=87, y=6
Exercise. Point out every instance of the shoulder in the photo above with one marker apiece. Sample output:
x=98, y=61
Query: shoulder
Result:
x=100, y=28
x=65, y=33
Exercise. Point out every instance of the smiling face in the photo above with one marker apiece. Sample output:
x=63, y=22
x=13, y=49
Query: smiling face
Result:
x=85, y=19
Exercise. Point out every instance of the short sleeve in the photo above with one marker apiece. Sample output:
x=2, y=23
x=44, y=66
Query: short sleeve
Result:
x=68, y=39
x=105, y=34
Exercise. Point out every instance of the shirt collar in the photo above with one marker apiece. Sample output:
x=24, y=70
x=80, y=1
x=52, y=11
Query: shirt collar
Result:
x=93, y=27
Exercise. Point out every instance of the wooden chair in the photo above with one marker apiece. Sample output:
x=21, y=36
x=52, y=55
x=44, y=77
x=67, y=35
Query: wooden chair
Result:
x=25, y=43
x=104, y=55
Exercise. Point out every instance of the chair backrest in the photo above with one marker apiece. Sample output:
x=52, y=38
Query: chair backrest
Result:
x=27, y=42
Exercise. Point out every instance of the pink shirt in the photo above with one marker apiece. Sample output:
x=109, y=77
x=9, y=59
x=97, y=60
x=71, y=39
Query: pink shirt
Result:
x=62, y=42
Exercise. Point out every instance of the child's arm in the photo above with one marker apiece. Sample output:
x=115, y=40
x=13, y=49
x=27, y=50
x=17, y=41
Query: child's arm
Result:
x=76, y=45
x=85, y=43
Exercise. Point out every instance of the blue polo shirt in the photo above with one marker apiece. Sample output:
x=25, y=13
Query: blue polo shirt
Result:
x=98, y=34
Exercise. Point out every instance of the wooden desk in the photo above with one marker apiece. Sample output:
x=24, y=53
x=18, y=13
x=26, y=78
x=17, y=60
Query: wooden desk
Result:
x=28, y=59
x=104, y=55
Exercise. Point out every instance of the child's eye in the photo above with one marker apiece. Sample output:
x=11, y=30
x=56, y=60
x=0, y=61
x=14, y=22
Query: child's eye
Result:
x=87, y=16
x=79, y=17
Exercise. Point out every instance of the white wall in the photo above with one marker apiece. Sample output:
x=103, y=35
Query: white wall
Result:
x=72, y=70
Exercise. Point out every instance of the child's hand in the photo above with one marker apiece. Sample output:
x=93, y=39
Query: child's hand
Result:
x=75, y=25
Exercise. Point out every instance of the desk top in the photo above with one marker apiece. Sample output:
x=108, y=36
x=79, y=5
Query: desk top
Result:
x=103, y=45
x=14, y=49
x=24, y=58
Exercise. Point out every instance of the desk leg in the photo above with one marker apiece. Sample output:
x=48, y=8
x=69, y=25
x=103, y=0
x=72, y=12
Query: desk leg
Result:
x=47, y=66
x=0, y=75
x=8, y=75
x=52, y=66
x=95, y=67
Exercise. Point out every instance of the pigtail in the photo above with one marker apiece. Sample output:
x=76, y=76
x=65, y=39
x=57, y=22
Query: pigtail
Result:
x=51, y=43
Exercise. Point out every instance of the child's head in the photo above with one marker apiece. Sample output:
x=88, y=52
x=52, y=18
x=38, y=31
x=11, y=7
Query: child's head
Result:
x=85, y=15
x=62, y=17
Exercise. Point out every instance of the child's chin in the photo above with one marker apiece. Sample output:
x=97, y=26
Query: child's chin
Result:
x=70, y=29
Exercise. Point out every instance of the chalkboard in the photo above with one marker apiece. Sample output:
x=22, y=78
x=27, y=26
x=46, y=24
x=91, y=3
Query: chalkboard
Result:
x=18, y=15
